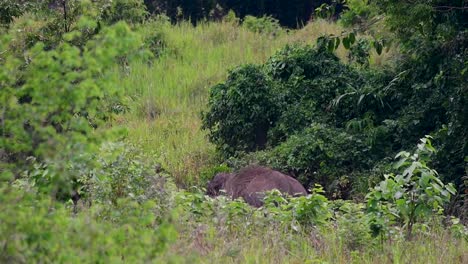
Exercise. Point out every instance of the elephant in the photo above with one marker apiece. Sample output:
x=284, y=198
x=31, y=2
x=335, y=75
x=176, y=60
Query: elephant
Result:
x=251, y=182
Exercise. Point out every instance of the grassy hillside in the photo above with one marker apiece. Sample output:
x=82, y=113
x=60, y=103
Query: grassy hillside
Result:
x=169, y=95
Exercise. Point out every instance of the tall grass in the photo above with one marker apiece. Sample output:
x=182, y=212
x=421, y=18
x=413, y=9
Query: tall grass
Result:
x=206, y=245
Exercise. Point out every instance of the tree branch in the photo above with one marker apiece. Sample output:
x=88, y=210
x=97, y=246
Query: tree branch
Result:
x=449, y=8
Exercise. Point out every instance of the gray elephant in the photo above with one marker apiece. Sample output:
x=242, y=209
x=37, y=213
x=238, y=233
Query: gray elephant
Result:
x=251, y=182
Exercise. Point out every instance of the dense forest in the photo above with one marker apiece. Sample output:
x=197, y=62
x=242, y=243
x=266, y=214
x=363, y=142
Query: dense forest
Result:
x=289, y=13
x=117, y=118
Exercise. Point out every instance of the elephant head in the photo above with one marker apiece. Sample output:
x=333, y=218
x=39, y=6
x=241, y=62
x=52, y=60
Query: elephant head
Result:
x=218, y=183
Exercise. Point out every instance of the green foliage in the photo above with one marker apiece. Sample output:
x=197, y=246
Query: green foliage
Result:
x=307, y=81
x=326, y=10
x=61, y=101
x=51, y=81
x=321, y=154
x=359, y=53
x=155, y=37
x=412, y=196
x=305, y=127
x=358, y=12
x=11, y=9
x=244, y=104
x=457, y=229
x=353, y=224
x=311, y=209
x=55, y=105
x=131, y=11
x=231, y=18
x=297, y=212
x=122, y=172
x=289, y=212
x=433, y=97
x=50, y=21
x=35, y=229
x=294, y=90
x=387, y=109
x=358, y=49
x=265, y=25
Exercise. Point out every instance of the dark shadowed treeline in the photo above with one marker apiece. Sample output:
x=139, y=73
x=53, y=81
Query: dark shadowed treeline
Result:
x=290, y=13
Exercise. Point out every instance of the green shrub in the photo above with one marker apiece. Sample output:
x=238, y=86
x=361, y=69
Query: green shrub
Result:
x=36, y=229
x=358, y=12
x=244, y=104
x=320, y=154
x=122, y=172
x=432, y=95
x=131, y=11
x=411, y=196
x=305, y=61
x=13, y=9
x=311, y=209
x=315, y=129
x=27, y=30
x=353, y=225
x=231, y=18
x=265, y=25
x=55, y=105
x=359, y=53
x=64, y=75
x=155, y=36
x=457, y=228
x=295, y=213
x=253, y=108
x=39, y=22
x=307, y=80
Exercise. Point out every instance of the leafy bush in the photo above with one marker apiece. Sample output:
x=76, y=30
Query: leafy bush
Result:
x=308, y=79
x=11, y=9
x=231, y=18
x=54, y=106
x=297, y=212
x=457, y=228
x=153, y=31
x=353, y=224
x=49, y=21
x=359, y=53
x=279, y=210
x=122, y=172
x=412, y=196
x=296, y=89
x=26, y=31
x=385, y=110
x=265, y=25
x=311, y=209
x=321, y=154
x=358, y=12
x=64, y=75
x=244, y=103
x=200, y=207
x=433, y=92
x=35, y=229
x=131, y=11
